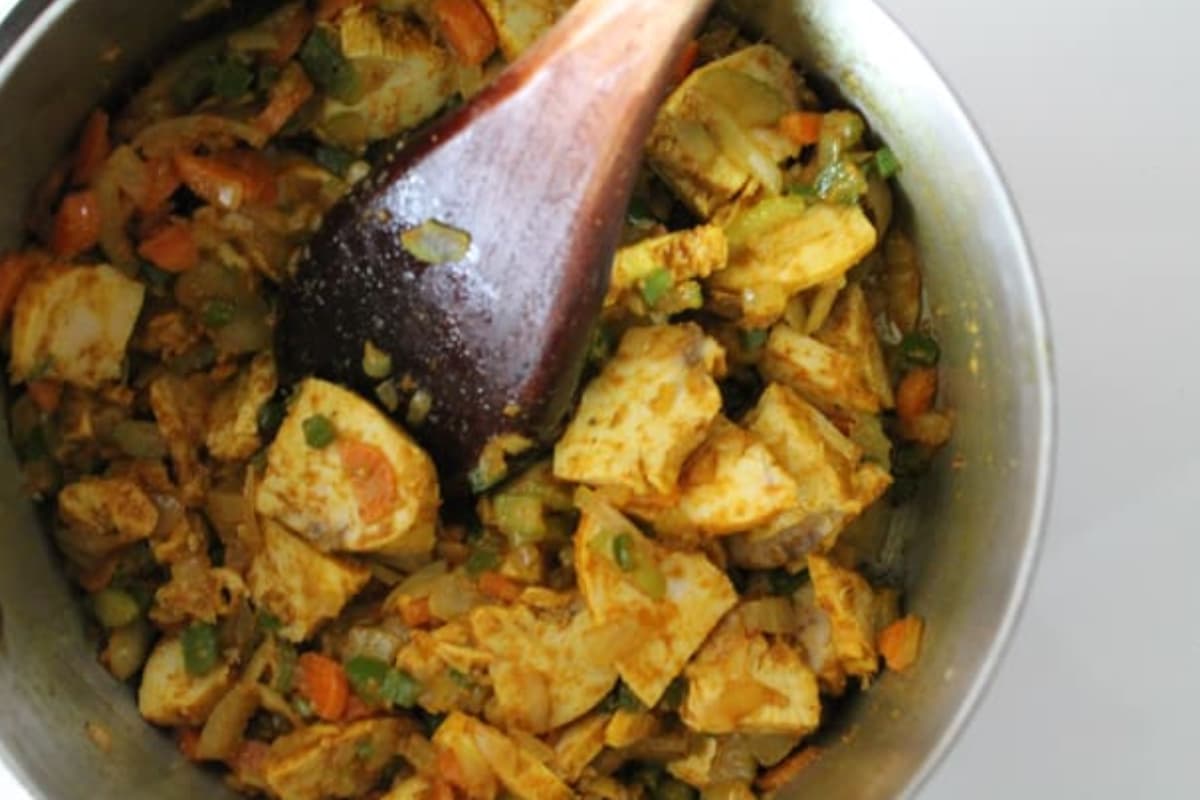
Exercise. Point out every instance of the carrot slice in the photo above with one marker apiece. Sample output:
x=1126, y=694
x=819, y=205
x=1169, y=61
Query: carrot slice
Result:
x=900, y=642
x=171, y=248
x=94, y=147
x=45, y=394
x=499, y=587
x=293, y=30
x=467, y=29
x=786, y=771
x=288, y=95
x=915, y=394
x=77, y=226
x=15, y=269
x=802, y=127
x=687, y=61
x=371, y=476
x=323, y=682
x=222, y=183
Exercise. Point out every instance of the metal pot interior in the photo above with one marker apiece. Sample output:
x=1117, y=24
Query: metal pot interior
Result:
x=971, y=535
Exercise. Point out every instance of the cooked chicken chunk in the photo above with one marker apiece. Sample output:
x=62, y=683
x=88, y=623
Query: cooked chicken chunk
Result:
x=742, y=682
x=332, y=761
x=299, y=584
x=233, y=419
x=674, y=598
x=686, y=255
x=827, y=378
x=365, y=487
x=484, y=757
x=850, y=603
x=784, y=245
x=102, y=515
x=850, y=330
x=546, y=671
x=170, y=695
x=645, y=413
x=406, y=78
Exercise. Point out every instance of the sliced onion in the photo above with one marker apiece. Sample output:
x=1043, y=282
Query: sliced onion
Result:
x=226, y=724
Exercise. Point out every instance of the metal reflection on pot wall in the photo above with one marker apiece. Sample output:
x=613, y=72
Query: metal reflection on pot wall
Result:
x=974, y=531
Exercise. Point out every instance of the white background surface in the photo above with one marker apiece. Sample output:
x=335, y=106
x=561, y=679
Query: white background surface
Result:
x=1091, y=108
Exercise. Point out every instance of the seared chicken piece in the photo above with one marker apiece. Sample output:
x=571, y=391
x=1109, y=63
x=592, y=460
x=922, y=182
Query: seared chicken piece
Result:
x=645, y=413
x=170, y=695
x=330, y=761
x=353, y=480
x=674, y=598
x=850, y=603
x=73, y=324
x=299, y=584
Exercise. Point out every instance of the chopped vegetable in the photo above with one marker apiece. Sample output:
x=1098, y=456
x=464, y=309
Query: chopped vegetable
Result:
x=622, y=551
x=481, y=560
x=371, y=477
x=94, y=148
x=900, y=642
x=376, y=682
x=920, y=350
x=499, y=587
x=802, y=127
x=319, y=432
x=15, y=269
x=375, y=363
x=328, y=68
x=322, y=682
x=77, y=225
x=886, y=163
x=466, y=29
x=218, y=313
x=435, y=242
x=287, y=96
x=231, y=79
x=915, y=394
x=200, y=649
x=172, y=248
x=656, y=285
x=754, y=338
x=115, y=608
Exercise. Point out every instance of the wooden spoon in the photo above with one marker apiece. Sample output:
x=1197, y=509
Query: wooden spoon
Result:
x=532, y=179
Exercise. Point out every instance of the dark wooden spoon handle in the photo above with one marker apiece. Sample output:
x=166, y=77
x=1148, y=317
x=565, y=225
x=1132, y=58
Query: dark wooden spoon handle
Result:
x=538, y=170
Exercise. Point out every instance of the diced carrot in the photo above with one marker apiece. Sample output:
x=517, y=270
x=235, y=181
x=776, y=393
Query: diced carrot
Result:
x=467, y=29
x=802, y=127
x=448, y=768
x=221, y=183
x=249, y=759
x=915, y=394
x=288, y=95
x=45, y=394
x=416, y=613
x=786, y=771
x=77, y=225
x=687, y=61
x=15, y=269
x=188, y=740
x=330, y=9
x=900, y=642
x=292, y=31
x=162, y=180
x=371, y=476
x=172, y=248
x=499, y=587
x=323, y=682
x=356, y=709
x=94, y=147
x=261, y=180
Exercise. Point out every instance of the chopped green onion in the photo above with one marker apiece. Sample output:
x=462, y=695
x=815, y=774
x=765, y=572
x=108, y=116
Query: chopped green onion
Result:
x=920, y=349
x=231, y=79
x=482, y=560
x=656, y=285
x=622, y=551
x=115, y=608
x=268, y=622
x=270, y=417
x=323, y=61
x=366, y=675
x=375, y=362
x=217, y=313
x=887, y=163
x=780, y=582
x=285, y=669
x=754, y=338
x=200, y=649
x=419, y=406
x=435, y=243
x=803, y=190
x=841, y=182
x=461, y=678
x=334, y=159
x=319, y=432
x=400, y=689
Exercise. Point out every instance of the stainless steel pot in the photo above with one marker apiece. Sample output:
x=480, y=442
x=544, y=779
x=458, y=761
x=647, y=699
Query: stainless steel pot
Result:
x=973, y=533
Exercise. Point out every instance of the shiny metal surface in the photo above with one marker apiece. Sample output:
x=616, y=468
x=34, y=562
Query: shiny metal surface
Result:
x=973, y=533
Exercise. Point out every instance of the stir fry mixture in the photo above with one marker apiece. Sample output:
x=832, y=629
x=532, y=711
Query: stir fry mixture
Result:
x=658, y=606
